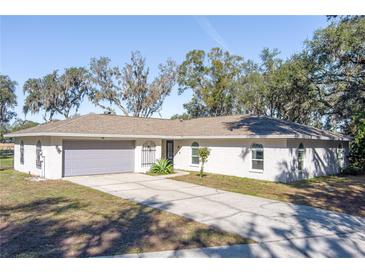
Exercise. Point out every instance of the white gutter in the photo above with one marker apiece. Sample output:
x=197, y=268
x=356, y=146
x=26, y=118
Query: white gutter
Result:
x=93, y=135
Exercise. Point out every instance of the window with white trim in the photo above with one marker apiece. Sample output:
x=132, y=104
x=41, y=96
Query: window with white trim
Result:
x=257, y=156
x=301, y=156
x=195, y=153
x=38, y=160
x=21, y=152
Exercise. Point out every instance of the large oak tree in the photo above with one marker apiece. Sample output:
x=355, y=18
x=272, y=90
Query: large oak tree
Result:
x=338, y=55
x=7, y=102
x=128, y=88
x=213, y=77
x=56, y=94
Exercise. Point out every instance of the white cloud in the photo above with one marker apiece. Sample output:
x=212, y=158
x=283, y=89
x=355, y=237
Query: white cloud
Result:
x=209, y=29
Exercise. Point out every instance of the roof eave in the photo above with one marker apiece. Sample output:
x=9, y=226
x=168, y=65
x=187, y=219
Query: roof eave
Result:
x=124, y=136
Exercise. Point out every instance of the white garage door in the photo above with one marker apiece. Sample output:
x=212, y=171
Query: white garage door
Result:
x=97, y=157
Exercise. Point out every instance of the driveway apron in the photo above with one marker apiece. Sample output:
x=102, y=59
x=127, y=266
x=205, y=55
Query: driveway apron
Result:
x=309, y=230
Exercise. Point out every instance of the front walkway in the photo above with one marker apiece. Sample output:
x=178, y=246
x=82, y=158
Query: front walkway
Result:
x=281, y=229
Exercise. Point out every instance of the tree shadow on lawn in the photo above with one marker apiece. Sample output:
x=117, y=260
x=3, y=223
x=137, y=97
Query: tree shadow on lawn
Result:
x=40, y=230
x=344, y=194
x=335, y=197
x=341, y=195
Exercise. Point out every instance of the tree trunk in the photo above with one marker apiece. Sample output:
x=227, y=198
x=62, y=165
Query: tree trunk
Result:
x=202, y=170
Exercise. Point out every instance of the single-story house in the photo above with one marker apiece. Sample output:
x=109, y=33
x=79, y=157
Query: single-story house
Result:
x=240, y=145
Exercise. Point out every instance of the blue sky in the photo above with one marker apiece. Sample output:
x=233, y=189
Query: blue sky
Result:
x=32, y=46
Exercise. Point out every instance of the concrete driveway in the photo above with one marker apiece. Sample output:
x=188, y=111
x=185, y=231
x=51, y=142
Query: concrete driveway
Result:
x=281, y=229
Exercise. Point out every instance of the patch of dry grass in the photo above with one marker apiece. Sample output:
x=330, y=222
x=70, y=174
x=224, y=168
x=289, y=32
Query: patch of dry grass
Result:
x=61, y=219
x=341, y=194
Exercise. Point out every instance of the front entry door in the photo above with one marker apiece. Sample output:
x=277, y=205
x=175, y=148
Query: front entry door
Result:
x=170, y=151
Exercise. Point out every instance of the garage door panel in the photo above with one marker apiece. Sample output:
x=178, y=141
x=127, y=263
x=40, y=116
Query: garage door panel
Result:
x=98, y=157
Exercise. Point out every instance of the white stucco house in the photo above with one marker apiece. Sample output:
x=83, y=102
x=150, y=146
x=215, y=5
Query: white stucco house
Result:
x=240, y=145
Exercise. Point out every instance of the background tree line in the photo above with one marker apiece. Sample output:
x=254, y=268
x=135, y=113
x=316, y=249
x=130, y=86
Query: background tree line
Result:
x=322, y=86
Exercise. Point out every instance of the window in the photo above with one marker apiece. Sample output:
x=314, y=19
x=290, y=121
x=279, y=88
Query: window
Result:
x=195, y=153
x=257, y=156
x=148, y=154
x=301, y=155
x=38, y=152
x=22, y=152
x=340, y=156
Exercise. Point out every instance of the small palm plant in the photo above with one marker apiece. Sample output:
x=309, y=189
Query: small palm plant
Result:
x=162, y=166
x=203, y=154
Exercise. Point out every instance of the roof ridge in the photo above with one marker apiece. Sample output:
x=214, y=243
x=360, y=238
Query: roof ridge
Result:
x=166, y=119
x=135, y=117
x=221, y=116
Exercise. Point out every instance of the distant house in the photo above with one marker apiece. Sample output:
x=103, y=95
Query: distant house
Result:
x=6, y=146
x=241, y=145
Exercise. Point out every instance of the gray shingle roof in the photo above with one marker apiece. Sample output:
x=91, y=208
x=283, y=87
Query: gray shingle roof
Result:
x=223, y=126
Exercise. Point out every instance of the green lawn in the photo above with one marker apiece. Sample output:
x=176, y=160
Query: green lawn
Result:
x=62, y=219
x=6, y=162
x=341, y=194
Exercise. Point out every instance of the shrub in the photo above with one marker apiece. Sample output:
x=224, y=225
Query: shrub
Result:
x=162, y=166
x=353, y=170
x=357, y=150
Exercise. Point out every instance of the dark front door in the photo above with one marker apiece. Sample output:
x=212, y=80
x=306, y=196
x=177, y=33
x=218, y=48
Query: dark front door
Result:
x=170, y=151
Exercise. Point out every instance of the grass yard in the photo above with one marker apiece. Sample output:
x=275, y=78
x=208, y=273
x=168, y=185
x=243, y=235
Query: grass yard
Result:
x=6, y=156
x=62, y=219
x=341, y=194
x=6, y=162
